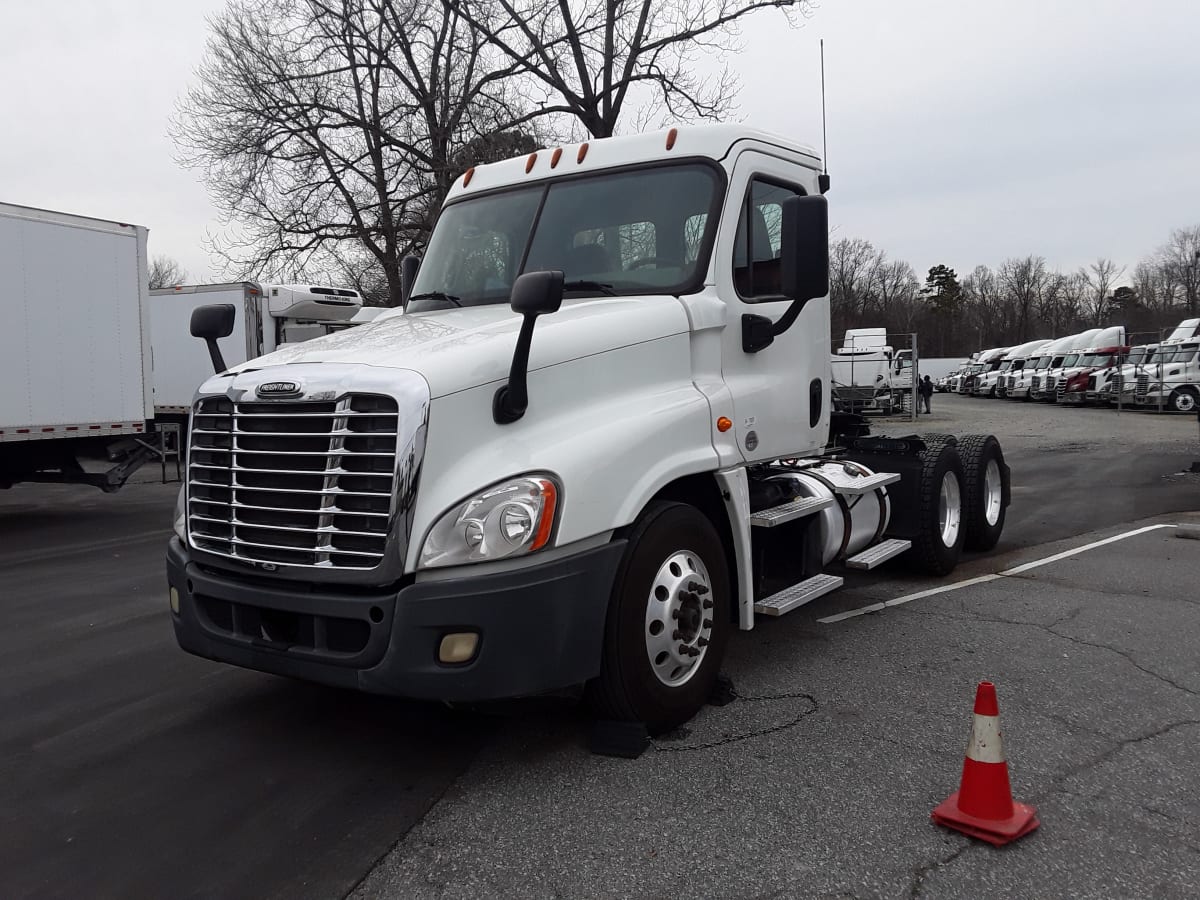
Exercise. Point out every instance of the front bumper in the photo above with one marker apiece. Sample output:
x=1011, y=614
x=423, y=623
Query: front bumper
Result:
x=1074, y=397
x=540, y=628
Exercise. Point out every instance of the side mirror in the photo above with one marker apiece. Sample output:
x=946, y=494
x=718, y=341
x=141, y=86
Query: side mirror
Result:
x=212, y=322
x=804, y=237
x=408, y=275
x=533, y=294
x=803, y=267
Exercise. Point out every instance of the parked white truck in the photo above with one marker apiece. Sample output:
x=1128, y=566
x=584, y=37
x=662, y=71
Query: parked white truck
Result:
x=596, y=442
x=1066, y=355
x=74, y=349
x=869, y=375
x=266, y=317
x=1075, y=379
x=1013, y=362
x=1172, y=380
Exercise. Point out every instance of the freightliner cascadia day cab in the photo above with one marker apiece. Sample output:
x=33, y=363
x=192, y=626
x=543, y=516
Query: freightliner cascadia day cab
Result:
x=1014, y=361
x=596, y=441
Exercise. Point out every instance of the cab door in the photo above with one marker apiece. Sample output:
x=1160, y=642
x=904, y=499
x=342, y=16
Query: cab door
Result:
x=780, y=393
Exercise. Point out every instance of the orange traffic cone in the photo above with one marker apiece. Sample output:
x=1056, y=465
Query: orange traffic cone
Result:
x=983, y=806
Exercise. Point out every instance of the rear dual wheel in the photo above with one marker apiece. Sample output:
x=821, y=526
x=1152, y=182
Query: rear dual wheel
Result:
x=940, y=534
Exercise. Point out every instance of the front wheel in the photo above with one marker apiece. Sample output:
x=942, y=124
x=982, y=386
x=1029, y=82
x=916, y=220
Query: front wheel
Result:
x=668, y=621
x=1183, y=400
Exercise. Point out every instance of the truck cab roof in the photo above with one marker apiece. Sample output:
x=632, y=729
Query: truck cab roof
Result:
x=713, y=142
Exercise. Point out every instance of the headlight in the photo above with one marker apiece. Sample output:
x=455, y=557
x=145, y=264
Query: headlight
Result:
x=510, y=519
x=181, y=517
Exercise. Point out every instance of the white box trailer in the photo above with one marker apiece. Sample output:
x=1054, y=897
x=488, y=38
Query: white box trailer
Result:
x=75, y=346
x=266, y=317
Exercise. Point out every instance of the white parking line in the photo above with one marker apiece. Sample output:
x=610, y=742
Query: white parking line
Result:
x=981, y=579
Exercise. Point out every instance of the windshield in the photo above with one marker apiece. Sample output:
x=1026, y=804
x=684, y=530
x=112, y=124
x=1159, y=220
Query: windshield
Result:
x=1179, y=355
x=638, y=231
x=1070, y=360
x=1006, y=365
x=1136, y=356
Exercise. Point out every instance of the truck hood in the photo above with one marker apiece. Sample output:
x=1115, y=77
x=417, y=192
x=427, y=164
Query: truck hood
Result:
x=457, y=349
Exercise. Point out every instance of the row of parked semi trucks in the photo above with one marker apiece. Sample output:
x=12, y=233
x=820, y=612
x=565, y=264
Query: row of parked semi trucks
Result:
x=1096, y=367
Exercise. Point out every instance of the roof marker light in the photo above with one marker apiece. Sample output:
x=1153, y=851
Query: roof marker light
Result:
x=582, y=152
x=470, y=173
x=529, y=163
x=555, y=158
x=671, y=135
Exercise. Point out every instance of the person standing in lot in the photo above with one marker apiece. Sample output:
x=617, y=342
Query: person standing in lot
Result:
x=925, y=389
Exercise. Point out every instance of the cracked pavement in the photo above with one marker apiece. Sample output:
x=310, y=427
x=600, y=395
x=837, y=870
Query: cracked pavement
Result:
x=818, y=780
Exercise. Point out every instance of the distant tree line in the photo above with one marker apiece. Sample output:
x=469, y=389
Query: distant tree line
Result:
x=1020, y=300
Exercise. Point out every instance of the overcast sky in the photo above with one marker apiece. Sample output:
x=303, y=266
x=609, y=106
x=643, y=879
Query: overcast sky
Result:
x=960, y=132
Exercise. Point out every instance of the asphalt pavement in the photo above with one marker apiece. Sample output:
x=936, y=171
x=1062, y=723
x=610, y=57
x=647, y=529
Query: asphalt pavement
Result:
x=132, y=769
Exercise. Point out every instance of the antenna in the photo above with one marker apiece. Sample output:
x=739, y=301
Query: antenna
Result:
x=823, y=178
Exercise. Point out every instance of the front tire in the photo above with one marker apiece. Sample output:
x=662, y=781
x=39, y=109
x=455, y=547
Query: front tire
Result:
x=668, y=621
x=939, y=541
x=1183, y=400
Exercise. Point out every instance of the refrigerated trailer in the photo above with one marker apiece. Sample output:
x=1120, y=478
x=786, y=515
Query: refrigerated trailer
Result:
x=74, y=348
x=266, y=317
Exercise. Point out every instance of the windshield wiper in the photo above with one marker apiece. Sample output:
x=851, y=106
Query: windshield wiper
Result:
x=437, y=295
x=606, y=289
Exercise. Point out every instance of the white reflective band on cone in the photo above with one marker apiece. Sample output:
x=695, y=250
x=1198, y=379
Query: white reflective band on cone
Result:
x=985, y=745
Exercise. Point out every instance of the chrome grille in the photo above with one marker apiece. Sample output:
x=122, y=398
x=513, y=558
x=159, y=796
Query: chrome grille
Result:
x=1091, y=386
x=1050, y=383
x=1036, y=383
x=306, y=483
x=1143, y=384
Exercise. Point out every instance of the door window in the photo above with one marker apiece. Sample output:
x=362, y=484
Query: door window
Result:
x=756, y=252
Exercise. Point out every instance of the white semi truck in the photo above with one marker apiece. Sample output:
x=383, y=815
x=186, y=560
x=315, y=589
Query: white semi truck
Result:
x=596, y=442
x=74, y=349
x=1066, y=355
x=1013, y=362
x=1172, y=380
x=266, y=317
x=869, y=375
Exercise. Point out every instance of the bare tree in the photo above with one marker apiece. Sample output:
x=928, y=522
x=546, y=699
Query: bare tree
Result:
x=590, y=59
x=1179, y=261
x=1100, y=277
x=166, y=272
x=326, y=130
x=1022, y=282
x=1062, y=301
x=982, y=303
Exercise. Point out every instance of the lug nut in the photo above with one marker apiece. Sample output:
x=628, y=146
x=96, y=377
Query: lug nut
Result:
x=698, y=586
x=708, y=604
x=708, y=623
x=674, y=614
x=702, y=642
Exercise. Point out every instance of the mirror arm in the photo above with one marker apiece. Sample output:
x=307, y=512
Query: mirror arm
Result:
x=214, y=353
x=512, y=399
x=759, y=332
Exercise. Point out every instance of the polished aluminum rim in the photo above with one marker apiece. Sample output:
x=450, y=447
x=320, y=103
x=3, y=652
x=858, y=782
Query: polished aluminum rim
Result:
x=949, y=509
x=679, y=618
x=993, y=492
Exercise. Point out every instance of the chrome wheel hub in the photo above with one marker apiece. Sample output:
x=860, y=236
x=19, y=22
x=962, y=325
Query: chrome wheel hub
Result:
x=993, y=492
x=949, y=509
x=679, y=622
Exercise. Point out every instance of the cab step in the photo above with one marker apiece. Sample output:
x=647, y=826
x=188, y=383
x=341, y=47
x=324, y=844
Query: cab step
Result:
x=865, y=485
x=787, y=512
x=878, y=554
x=798, y=594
